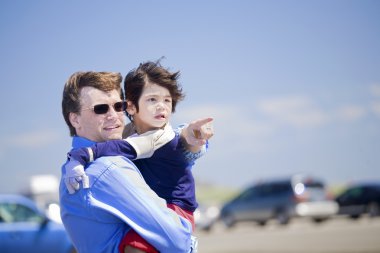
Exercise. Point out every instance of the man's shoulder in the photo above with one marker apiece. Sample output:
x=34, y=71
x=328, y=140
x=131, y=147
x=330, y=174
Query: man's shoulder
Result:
x=110, y=162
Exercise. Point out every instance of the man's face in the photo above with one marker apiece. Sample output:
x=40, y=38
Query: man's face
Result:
x=155, y=108
x=98, y=127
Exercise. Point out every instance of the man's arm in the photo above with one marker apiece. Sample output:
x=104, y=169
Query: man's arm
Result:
x=123, y=192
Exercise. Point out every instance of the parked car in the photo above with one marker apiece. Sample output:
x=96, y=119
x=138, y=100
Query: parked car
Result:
x=361, y=198
x=205, y=216
x=280, y=199
x=25, y=228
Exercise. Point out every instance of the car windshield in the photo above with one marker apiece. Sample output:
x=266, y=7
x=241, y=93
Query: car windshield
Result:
x=13, y=212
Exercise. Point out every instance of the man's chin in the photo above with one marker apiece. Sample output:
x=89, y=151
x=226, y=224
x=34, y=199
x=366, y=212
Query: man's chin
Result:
x=117, y=136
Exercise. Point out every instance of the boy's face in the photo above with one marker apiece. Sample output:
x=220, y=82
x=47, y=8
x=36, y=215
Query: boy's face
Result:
x=98, y=127
x=155, y=108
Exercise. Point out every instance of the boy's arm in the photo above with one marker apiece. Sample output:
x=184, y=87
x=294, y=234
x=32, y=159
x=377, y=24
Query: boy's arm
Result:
x=133, y=147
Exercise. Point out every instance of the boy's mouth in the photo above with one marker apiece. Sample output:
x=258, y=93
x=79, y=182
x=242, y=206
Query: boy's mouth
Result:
x=161, y=116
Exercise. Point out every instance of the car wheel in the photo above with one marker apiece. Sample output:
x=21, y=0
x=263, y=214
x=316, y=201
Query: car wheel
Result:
x=282, y=217
x=207, y=228
x=262, y=223
x=355, y=216
x=228, y=220
x=373, y=209
x=319, y=220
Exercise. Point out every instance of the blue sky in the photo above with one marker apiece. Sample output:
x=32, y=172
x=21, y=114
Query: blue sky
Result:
x=294, y=86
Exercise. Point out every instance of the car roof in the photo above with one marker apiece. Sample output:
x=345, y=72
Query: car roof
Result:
x=305, y=178
x=375, y=184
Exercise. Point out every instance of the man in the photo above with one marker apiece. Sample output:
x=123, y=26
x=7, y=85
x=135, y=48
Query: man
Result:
x=118, y=198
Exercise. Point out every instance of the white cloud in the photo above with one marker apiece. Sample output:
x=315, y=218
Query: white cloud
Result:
x=28, y=140
x=33, y=139
x=375, y=90
x=231, y=119
x=257, y=126
x=297, y=111
x=351, y=112
x=376, y=107
x=233, y=125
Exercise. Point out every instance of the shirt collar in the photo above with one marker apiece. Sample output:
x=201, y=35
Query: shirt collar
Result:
x=80, y=142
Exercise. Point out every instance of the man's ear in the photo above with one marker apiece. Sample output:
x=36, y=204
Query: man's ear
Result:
x=73, y=117
x=131, y=108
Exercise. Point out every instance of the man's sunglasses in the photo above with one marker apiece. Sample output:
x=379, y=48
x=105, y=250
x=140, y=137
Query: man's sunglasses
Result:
x=103, y=108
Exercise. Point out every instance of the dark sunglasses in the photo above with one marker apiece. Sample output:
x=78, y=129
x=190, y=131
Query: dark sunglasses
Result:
x=103, y=108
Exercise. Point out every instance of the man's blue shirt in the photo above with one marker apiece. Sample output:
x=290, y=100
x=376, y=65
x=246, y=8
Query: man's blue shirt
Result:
x=97, y=218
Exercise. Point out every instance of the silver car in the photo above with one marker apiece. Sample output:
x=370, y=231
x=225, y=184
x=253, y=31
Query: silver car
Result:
x=280, y=199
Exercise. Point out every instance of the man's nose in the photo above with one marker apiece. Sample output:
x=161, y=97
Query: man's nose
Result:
x=111, y=112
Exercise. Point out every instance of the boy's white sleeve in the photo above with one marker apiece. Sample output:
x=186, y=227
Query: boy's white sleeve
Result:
x=145, y=144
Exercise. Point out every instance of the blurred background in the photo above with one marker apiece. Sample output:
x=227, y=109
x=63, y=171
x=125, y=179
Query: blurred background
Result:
x=293, y=86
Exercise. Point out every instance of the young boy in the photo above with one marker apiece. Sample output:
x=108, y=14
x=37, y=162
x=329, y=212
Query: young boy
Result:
x=152, y=93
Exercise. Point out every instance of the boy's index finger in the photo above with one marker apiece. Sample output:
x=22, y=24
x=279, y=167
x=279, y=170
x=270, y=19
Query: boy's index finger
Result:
x=199, y=123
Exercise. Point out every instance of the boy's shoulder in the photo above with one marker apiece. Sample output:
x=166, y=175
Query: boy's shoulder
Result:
x=129, y=129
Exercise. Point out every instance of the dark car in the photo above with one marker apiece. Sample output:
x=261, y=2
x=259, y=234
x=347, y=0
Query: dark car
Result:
x=280, y=199
x=25, y=228
x=359, y=199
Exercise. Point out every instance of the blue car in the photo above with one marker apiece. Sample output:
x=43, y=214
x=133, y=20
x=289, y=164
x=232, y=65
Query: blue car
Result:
x=25, y=228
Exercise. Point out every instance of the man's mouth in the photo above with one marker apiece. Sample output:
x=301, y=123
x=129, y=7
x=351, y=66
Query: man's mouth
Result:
x=110, y=128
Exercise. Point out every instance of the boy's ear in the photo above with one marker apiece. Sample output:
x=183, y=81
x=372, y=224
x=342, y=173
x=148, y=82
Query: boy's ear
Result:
x=131, y=108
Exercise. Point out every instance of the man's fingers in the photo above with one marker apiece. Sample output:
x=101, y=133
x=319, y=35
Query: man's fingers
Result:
x=74, y=183
x=69, y=186
x=85, y=182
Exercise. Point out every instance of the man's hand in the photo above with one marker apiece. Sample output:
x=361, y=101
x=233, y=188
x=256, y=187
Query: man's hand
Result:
x=74, y=174
x=197, y=133
x=194, y=245
x=145, y=144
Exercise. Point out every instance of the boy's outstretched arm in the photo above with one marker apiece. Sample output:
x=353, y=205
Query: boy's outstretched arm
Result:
x=197, y=133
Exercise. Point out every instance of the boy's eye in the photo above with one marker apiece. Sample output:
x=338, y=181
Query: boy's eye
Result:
x=168, y=100
x=151, y=99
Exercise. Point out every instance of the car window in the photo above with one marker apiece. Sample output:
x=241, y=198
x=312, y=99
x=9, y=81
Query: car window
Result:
x=314, y=190
x=279, y=188
x=248, y=194
x=371, y=193
x=355, y=192
x=267, y=190
x=11, y=212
